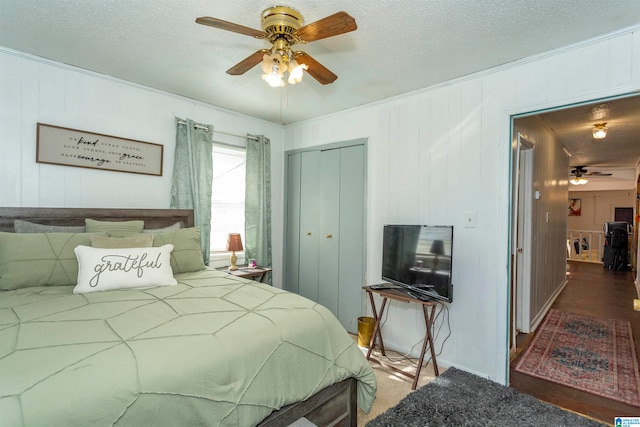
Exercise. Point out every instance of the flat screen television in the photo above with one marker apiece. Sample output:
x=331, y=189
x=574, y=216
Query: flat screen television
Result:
x=418, y=258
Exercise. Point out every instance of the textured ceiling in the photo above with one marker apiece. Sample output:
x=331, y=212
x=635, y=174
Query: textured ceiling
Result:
x=398, y=46
x=616, y=154
x=620, y=148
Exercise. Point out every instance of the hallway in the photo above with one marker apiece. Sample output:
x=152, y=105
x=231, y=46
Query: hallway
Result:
x=593, y=290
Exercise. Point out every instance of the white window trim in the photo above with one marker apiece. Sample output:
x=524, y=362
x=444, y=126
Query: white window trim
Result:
x=220, y=258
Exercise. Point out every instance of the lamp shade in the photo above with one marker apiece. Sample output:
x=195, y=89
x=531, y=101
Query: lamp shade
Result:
x=234, y=242
x=437, y=247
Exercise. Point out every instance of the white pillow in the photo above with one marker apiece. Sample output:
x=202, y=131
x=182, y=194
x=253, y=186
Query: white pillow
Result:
x=107, y=269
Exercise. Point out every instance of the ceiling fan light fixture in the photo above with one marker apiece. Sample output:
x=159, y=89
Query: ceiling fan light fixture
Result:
x=274, y=79
x=284, y=27
x=600, y=130
x=578, y=180
x=296, y=71
x=272, y=68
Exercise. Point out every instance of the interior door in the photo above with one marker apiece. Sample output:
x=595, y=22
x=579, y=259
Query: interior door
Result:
x=352, y=236
x=325, y=232
x=292, y=237
x=521, y=235
x=308, y=266
x=329, y=230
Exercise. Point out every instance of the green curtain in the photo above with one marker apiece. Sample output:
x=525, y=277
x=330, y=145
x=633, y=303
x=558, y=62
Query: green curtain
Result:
x=257, y=207
x=192, y=175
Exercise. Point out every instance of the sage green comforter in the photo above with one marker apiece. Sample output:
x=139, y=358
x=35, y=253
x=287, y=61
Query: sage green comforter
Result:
x=213, y=350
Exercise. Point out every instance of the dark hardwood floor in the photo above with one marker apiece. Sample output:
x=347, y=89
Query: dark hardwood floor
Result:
x=597, y=291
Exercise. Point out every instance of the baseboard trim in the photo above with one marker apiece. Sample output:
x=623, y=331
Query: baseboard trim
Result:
x=535, y=322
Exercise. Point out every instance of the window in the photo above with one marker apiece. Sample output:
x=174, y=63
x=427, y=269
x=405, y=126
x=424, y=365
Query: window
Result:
x=227, y=196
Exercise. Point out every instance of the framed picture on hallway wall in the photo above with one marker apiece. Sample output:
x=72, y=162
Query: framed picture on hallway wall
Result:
x=574, y=207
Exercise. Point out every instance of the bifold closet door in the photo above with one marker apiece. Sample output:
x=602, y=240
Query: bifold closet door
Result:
x=292, y=238
x=325, y=229
x=329, y=228
x=352, y=228
x=310, y=202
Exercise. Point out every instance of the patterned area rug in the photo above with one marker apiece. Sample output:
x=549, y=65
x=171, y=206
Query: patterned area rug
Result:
x=587, y=353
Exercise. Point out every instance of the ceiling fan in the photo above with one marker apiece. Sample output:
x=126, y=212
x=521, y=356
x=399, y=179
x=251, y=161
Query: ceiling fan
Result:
x=580, y=171
x=284, y=27
x=578, y=175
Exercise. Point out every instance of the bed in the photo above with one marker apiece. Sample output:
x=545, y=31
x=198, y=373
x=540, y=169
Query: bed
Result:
x=209, y=349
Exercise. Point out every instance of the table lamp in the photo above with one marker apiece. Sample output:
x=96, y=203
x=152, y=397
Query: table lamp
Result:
x=234, y=243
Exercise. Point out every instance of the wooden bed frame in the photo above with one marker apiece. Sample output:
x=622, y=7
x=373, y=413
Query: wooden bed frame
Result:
x=336, y=405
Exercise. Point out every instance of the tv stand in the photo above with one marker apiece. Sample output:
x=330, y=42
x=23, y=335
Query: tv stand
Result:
x=400, y=295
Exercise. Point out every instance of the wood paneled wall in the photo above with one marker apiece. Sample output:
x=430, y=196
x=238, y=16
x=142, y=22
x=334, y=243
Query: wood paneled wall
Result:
x=35, y=90
x=440, y=152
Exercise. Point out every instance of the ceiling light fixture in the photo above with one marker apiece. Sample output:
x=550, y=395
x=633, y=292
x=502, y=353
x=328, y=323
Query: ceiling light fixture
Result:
x=578, y=180
x=276, y=62
x=599, y=130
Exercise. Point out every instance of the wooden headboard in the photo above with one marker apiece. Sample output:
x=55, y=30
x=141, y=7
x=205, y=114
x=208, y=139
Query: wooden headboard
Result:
x=153, y=218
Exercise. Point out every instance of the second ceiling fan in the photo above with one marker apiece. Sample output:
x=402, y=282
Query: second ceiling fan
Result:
x=284, y=27
x=580, y=171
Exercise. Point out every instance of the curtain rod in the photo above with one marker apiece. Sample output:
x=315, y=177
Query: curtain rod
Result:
x=197, y=126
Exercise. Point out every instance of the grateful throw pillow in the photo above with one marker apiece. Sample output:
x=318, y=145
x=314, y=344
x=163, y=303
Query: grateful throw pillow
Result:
x=107, y=269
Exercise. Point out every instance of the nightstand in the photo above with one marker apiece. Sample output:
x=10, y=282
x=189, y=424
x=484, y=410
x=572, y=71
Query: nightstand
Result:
x=257, y=273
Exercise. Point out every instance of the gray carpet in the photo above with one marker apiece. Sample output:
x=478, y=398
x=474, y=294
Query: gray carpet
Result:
x=457, y=398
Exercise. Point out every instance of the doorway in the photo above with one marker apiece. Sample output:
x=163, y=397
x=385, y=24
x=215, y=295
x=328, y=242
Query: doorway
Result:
x=563, y=125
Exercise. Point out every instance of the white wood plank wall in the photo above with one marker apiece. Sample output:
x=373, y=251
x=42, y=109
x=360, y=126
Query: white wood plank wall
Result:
x=35, y=90
x=439, y=152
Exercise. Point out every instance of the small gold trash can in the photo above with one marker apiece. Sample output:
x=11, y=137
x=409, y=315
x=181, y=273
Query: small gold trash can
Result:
x=365, y=330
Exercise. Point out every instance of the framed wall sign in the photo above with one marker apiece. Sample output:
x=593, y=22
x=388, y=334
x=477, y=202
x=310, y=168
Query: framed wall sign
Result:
x=71, y=147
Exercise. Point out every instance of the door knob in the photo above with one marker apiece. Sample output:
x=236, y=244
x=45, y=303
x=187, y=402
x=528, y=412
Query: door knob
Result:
x=308, y=233
x=329, y=236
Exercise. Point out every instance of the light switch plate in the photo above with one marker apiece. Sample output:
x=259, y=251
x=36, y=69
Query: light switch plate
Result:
x=470, y=219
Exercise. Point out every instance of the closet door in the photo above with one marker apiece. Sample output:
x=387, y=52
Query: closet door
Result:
x=292, y=242
x=352, y=237
x=325, y=229
x=308, y=267
x=329, y=227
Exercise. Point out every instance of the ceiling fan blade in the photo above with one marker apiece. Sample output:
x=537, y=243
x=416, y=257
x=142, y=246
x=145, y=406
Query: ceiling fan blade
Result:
x=338, y=23
x=230, y=26
x=248, y=63
x=316, y=69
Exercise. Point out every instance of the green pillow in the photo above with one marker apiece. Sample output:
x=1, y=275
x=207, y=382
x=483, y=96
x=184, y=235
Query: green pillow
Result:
x=39, y=259
x=114, y=228
x=142, y=241
x=172, y=227
x=31, y=227
x=187, y=254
